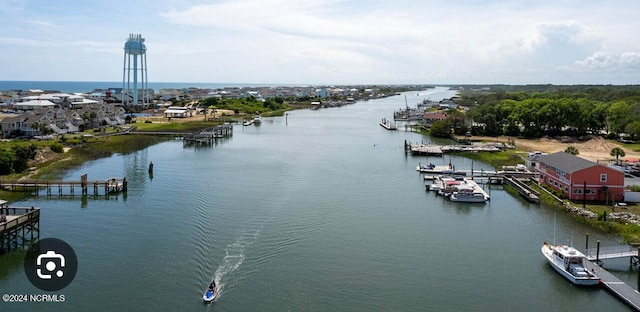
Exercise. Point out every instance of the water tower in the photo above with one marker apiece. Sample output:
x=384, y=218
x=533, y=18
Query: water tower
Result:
x=134, y=48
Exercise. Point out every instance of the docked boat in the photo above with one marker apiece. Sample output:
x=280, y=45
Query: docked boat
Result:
x=569, y=262
x=211, y=293
x=439, y=183
x=257, y=119
x=435, y=186
x=467, y=194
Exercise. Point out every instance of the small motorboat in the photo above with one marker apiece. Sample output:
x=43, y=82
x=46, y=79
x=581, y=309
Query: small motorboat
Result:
x=211, y=293
x=257, y=119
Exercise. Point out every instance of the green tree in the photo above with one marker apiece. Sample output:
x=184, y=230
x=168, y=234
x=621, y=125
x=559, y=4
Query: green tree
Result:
x=617, y=152
x=41, y=128
x=22, y=156
x=620, y=114
x=6, y=161
x=441, y=129
x=572, y=150
x=633, y=129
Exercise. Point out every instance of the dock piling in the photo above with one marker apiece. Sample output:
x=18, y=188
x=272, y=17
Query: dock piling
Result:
x=587, y=243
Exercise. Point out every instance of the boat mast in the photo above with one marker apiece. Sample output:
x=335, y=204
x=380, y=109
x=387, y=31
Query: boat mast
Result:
x=554, y=229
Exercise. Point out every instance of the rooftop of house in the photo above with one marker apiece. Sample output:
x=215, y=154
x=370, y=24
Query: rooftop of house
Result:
x=566, y=162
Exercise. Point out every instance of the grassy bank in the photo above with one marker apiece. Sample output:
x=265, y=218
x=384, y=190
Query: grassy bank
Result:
x=79, y=150
x=97, y=148
x=629, y=233
x=496, y=159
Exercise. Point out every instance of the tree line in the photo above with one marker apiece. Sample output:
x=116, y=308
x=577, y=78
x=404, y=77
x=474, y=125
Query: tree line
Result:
x=575, y=111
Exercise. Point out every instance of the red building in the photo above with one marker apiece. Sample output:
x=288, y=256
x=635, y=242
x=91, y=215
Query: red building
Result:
x=577, y=177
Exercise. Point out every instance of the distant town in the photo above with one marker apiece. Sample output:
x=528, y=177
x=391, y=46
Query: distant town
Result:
x=34, y=112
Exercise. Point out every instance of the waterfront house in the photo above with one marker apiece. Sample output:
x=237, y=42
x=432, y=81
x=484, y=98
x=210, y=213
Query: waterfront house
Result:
x=532, y=162
x=107, y=114
x=54, y=118
x=62, y=121
x=579, y=179
x=430, y=117
x=178, y=111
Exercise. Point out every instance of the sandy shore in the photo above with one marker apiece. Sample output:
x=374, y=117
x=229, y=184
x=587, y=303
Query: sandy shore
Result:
x=595, y=149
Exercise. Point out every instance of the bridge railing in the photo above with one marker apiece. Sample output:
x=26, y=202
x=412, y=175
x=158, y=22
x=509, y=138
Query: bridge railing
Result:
x=612, y=252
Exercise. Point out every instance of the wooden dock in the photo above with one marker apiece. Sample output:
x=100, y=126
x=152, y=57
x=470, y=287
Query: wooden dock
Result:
x=107, y=186
x=616, y=286
x=387, y=124
x=594, y=256
x=523, y=189
x=439, y=150
x=422, y=149
x=439, y=169
x=208, y=136
x=16, y=223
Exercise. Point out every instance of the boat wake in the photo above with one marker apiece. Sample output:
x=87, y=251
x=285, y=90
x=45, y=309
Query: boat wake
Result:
x=235, y=254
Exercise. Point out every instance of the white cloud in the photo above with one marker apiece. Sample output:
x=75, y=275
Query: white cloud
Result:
x=339, y=41
x=626, y=61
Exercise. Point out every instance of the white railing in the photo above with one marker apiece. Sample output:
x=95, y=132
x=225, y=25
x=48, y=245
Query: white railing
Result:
x=612, y=252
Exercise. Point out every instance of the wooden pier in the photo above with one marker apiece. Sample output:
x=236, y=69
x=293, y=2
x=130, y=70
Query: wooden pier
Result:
x=439, y=150
x=594, y=257
x=424, y=149
x=523, y=189
x=16, y=224
x=387, y=124
x=208, y=136
x=616, y=286
x=108, y=186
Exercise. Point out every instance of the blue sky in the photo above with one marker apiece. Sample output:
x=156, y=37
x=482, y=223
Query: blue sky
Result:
x=326, y=41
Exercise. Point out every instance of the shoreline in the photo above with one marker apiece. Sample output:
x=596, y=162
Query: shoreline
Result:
x=50, y=164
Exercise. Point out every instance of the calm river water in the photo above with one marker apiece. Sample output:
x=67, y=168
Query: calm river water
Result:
x=316, y=211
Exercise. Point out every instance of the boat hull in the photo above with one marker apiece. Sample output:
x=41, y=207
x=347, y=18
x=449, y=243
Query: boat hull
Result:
x=206, y=298
x=467, y=198
x=589, y=280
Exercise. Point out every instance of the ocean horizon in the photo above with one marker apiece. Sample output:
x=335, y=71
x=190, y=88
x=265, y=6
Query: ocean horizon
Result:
x=88, y=86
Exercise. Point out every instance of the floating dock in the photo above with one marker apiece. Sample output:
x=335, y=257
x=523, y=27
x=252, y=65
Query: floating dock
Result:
x=387, y=124
x=433, y=169
x=616, y=286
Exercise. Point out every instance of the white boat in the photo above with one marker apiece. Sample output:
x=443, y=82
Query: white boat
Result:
x=435, y=186
x=467, y=195
x=439, y=183
x=210, y=294
x=568, y=261
x=257, y=119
